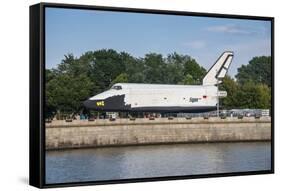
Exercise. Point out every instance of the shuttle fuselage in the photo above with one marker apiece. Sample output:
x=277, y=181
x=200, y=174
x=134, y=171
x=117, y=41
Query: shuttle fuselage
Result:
x=155, y=98
x=163, y=97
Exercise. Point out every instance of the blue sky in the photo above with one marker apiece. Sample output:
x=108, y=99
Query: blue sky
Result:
x=77, y=31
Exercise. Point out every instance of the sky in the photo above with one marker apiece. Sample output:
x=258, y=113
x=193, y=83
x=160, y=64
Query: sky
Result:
x=203, y=38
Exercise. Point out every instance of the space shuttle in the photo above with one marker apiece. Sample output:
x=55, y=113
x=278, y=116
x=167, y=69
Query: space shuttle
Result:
x=139, y=97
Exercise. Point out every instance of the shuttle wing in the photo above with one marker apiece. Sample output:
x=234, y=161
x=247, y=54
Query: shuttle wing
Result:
x=218, y=71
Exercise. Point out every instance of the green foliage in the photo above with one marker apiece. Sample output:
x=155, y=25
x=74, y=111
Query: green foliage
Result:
x=253, y=86
x=188, y=80
x=133, y=68
x=67, y=86
x=258, y=70
x=121, y=78
x=182, y=69
x=192, y=68
x=50, y=108
x=247, y=95
x=67, y=92
x=107, y=65
x=253, y=95
x=154, y=68
x=174, y=73
x=231, y=87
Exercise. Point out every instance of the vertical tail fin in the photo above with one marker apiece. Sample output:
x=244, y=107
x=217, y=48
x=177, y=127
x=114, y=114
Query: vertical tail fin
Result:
x=219, y=69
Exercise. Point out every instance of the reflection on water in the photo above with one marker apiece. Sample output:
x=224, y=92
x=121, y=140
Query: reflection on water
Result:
x=155, y=161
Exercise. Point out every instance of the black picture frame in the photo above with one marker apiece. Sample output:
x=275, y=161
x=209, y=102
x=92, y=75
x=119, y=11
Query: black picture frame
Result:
x=37, y=93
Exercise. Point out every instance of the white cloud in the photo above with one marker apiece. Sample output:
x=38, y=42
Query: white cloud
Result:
x=230, y=28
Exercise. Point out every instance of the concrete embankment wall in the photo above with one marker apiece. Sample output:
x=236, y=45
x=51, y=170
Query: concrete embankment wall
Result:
x=78, y=134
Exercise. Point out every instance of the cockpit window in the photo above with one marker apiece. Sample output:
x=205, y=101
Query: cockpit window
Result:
x=116, y=87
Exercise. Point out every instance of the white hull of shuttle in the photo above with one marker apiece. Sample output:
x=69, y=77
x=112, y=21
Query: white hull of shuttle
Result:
x=162, y=97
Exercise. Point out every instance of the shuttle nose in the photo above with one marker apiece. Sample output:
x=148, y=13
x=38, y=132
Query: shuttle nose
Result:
x=97, y=102
x=90, y=104
x=94, y=104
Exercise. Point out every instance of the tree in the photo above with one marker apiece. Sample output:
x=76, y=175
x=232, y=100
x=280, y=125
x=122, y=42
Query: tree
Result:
x=67, y=92
x=188, y=80
x=254, y=82
x=121, y=78
x=191, y=67
x=252, y=95
x=231, y=87
x=258, y=70
x=68, y=85
x=182, y=69
x=247, y=95
x=174, y=68
x=154, y=68
x=134, y=68
x=50, y=107
x=107, y=65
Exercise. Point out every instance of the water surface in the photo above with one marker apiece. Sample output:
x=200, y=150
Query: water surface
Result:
x=155, y=161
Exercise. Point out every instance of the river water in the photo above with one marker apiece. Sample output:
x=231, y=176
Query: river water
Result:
x=155, y=161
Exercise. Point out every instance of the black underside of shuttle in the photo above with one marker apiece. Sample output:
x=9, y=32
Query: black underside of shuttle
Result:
x=117, y=104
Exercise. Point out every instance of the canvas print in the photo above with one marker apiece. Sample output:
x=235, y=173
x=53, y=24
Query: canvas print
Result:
x=132, y=95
